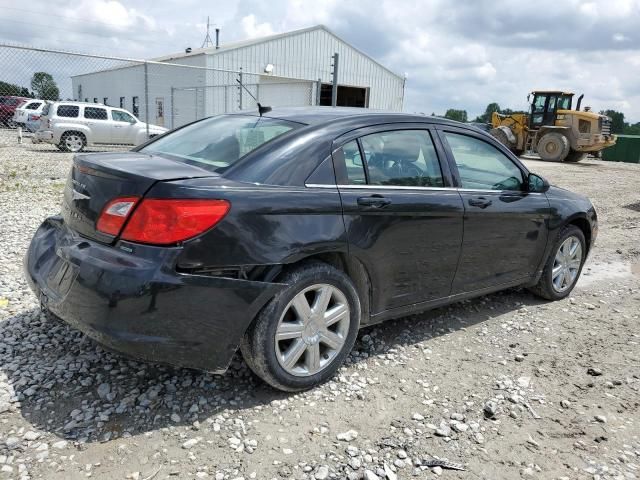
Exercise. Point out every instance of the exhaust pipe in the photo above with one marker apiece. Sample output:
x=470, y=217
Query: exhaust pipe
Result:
x=217, y=38
x=579, y=102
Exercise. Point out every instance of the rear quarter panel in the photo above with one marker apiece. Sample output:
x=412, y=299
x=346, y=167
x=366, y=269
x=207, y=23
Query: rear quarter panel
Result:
x=266, y=225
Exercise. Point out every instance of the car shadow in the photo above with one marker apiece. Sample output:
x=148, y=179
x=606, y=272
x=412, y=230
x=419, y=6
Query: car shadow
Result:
x=57, y=377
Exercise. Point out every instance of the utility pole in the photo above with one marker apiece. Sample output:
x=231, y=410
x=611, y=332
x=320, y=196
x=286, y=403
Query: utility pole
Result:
x=334, y=74
x=207, y=40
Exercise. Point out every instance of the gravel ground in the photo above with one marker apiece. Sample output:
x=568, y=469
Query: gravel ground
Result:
x=506, y=386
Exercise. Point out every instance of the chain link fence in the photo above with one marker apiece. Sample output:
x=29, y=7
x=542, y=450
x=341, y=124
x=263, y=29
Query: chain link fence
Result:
x=125, y=101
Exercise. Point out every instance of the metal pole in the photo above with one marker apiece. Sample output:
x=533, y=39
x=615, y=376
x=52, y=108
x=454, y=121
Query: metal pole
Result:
x=173, y=112
x=146, y=97
x=334, y=90
x=318, y=90
x=240, y=89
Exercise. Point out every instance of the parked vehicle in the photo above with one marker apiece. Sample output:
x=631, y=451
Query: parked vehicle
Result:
x=72, y=126
x=33, y=122
x=8, y=105
x=284, y=234
x=21, y=115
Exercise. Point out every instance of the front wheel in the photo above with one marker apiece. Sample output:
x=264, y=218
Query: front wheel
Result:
x=306, y=331
x=564, y=265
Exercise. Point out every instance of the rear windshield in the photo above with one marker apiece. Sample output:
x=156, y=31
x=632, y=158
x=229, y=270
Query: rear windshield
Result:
x=214, y=144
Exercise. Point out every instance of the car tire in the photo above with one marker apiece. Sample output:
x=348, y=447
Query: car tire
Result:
x=548, y=287
x=300, y=359
x=553, y=147
x=73, y=142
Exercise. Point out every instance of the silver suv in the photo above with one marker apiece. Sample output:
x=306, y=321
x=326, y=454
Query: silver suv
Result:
x=72, y=126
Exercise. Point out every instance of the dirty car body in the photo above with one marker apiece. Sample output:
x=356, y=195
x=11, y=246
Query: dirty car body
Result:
x=291, y=198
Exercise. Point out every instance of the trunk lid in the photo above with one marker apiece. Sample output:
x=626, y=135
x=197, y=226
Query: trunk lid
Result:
x=97, y=178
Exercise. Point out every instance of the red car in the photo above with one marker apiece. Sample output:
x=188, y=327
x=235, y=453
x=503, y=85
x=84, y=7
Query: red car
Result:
x=8, y=107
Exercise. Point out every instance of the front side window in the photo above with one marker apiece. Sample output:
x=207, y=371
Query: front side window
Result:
x=93, y=113
x=538, y=103
x=120, y=116
x=402, y=157
x=482, y=166
x=216, y=143
x=70, y=111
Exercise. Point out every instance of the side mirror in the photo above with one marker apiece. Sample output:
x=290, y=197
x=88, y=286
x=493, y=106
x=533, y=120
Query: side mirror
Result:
x=537, y=184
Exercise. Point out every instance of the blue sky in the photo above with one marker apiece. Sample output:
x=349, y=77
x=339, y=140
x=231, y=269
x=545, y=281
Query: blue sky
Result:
x=462, y=54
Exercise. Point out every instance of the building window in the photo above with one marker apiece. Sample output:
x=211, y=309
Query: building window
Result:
x=136, y=106
x=95, y=99
x=86, y=99
x=105, y=100
x=121, y=102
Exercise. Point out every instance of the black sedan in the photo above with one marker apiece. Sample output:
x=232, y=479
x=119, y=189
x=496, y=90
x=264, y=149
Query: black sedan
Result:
x=282, y=235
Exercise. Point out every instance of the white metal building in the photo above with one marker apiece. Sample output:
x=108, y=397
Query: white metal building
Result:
x=289, y=69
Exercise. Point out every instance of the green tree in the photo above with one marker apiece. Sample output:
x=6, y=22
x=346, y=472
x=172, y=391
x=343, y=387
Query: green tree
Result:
x=632, y=129
x=617, y=120
x=13, y=89
x=44, y=86
x=459, y=115
x=486, y=116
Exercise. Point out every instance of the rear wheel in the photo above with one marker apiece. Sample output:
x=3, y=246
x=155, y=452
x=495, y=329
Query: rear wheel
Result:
x=575, y=156
x=72, y=142
x=564, y=265
x=306, y=331
x=553, y=147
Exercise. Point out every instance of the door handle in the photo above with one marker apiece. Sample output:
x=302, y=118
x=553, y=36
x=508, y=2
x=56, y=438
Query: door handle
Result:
x=377, y=201
x=479, y=202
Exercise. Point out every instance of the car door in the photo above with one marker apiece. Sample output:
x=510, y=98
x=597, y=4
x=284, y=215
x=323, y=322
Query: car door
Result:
x=402, y=216
x=123, y=127
x=98, y=122
x=505, y=226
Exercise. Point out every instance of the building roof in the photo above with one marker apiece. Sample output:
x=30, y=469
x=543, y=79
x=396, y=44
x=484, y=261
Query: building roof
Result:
x=226, y=47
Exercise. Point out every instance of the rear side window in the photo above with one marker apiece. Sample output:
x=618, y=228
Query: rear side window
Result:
x=70, y=111
x=94, y=113
x=216, y=143
x=33, y=106
x=353, y=162
x=482, y=166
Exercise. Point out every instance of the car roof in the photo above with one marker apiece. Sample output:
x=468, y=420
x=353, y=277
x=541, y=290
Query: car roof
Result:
x=323, y=115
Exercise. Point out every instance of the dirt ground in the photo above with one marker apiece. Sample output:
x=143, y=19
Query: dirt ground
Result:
x=508, y=386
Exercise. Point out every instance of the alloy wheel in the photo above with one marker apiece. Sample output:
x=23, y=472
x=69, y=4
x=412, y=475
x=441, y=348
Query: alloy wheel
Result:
x=566, y=264
x=73, y=142
x=312, y=330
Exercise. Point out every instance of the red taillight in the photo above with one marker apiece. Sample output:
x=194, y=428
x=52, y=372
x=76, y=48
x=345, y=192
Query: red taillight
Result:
x=114, y=215
x=167, y=221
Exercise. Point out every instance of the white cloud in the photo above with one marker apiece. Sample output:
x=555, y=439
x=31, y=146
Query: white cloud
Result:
x=253, y=29
x=456, y=55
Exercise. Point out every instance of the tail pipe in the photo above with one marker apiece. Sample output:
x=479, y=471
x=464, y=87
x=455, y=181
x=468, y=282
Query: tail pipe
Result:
x=579, y=102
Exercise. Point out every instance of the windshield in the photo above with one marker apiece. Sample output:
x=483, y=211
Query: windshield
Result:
x=216, y=143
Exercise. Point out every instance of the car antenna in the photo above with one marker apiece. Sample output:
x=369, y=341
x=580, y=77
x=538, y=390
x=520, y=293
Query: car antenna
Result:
x=261, y=108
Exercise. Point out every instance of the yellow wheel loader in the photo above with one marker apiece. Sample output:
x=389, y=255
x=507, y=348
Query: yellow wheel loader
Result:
x=552, y=129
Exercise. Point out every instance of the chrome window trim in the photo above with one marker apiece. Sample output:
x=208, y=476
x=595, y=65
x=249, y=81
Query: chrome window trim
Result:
x=405, y=187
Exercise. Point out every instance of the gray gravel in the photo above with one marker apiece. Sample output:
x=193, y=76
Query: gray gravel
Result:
x=502, y=386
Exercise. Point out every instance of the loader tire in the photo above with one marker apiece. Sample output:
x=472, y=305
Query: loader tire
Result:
x=575, y=156
x=501, y=136
x=553, y=147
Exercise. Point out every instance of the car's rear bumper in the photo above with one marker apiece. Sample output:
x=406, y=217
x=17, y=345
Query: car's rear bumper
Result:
x=135, y=303
x=44, y=136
